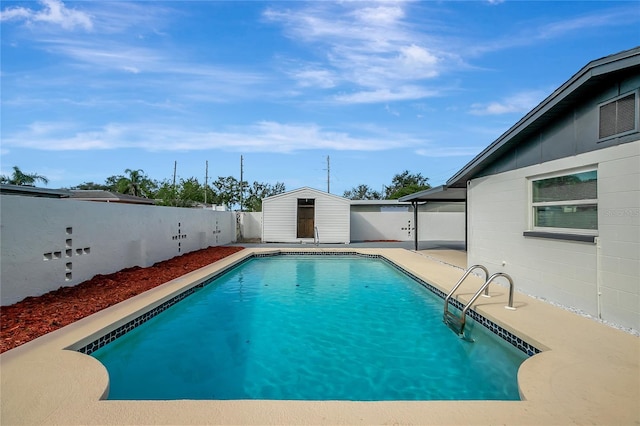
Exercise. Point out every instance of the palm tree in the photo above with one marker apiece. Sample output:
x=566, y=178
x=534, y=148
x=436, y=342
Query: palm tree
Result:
x=20, y=178
x=133, y=183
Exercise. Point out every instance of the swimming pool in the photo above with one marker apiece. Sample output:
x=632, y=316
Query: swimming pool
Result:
x=309, y=328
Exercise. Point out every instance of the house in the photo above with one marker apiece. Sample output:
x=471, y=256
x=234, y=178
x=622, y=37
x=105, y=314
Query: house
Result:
x=306, y=215
x=555, y=201
x=33, y=191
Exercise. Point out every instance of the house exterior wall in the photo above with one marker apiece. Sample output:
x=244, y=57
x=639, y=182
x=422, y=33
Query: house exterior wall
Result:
x=399, y=226
x=602, y=278
x=48, y=243
x=279, y=217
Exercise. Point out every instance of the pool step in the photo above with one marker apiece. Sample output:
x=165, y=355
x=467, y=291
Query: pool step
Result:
x=454, y=322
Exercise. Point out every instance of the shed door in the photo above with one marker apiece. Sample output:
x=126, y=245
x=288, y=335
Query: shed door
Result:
x=306, y=214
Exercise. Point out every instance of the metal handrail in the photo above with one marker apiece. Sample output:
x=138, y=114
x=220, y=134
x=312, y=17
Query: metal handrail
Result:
x=485, y=285
x=465, y=275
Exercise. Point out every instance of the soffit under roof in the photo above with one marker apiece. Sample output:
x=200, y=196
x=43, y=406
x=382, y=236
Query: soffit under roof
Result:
x=440, y=193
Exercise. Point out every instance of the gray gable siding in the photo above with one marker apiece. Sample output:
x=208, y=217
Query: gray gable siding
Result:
x=564, y=124
x=575, y=132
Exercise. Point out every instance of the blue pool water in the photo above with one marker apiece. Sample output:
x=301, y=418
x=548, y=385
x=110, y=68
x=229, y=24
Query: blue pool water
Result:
x=309, y=328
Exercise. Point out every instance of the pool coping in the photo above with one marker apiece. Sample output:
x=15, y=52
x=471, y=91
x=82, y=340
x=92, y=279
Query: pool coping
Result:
x=587, y=373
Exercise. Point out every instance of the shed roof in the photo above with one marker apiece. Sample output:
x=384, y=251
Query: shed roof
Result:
x=578, y=87
x=303, y=189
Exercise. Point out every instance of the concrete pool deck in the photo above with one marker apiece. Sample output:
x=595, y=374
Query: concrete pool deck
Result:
x=588, y=373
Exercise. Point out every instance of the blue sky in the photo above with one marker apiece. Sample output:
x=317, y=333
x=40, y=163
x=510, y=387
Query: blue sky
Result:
x=91, y=88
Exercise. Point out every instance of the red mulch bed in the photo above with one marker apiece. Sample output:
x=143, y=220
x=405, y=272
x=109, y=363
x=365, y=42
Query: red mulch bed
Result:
x=36, y=316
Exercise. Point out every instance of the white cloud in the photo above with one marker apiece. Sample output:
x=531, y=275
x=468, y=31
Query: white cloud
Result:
x=586, y=22
x=107, y=56
x=518, y=103
x=164, y=71
x=445, y=151
x=263, y=136
x=420, y=60
x=367, y=45
x=384, y=14
x=310, y=77
x=402, y=93
x=139, y=18
x=531, y=33
x=391, y=111
x=52, y=12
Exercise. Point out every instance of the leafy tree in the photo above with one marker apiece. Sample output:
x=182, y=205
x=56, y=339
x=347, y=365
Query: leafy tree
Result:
x=111, y=183
x=402, y=184
x=362, y=192
x=136, y=182
x=258, y=191
x=406, y=183
x=166, y=195
x=91, y=186
x=191, y=192
x=18, y=177
x=228, y=190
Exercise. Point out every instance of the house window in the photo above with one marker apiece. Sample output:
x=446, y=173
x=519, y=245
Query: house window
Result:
x=566, y=203
x=618, y=117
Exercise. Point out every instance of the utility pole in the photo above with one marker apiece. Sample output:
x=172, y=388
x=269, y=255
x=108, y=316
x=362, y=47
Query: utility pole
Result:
x=175, y=166
x=328, y=176
x=206, y=181
x=241, y=177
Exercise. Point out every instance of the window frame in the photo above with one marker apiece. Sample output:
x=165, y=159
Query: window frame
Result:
x=554, y=232
x=636, y=94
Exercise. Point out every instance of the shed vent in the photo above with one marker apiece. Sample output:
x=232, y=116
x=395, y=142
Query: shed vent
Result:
x=618, y=116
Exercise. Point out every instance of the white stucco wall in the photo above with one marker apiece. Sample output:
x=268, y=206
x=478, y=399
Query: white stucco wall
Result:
x=399, y=226
x=279, y=216
x=566, y=272
x=49, y=243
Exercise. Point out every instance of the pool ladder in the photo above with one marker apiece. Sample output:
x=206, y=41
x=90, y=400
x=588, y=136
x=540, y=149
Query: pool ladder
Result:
x=457, y=323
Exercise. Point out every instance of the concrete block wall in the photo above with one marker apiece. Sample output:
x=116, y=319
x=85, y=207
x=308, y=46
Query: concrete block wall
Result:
x=250, y=225
x=601, y=279
x=400, y=226
x=49, y=243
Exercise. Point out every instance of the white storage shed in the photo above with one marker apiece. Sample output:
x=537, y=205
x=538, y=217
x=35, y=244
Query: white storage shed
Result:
x=304, y=215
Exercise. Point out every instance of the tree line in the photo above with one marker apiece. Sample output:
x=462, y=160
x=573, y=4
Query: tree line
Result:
x=224, y=190
x=189, y=192
x=402, y=184
x=183, y=193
